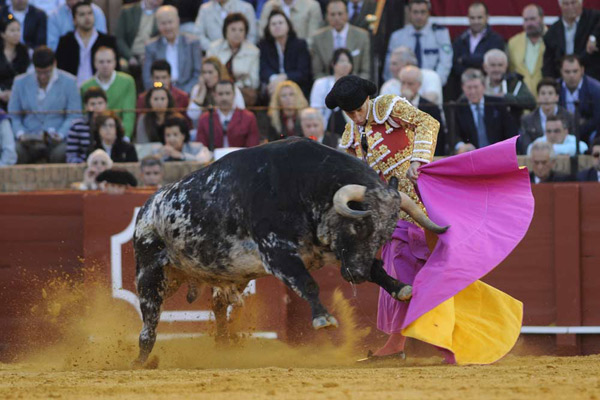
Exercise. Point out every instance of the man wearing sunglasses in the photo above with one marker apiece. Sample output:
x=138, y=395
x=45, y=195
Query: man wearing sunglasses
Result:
x=592, y=174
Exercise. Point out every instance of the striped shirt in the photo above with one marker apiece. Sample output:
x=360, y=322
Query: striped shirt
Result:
x=78, y=141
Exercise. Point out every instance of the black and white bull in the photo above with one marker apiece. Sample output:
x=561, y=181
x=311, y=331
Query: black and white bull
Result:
x=279, y=209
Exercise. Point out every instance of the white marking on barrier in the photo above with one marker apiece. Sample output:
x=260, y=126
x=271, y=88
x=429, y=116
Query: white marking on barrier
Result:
x=561, y=330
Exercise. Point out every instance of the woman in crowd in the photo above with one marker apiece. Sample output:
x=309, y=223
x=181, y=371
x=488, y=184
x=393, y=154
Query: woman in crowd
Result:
x=239, y=56
x=284, y=111
x=159, y=102
x=14, y=56
x=108, y=135
x=283, y=56
x=341, y=65
x=176, y=145
x=202, y=94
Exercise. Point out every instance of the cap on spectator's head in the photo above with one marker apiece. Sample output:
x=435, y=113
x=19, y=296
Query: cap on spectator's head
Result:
x=43, y=57
x=349, y=93
x=117, y=176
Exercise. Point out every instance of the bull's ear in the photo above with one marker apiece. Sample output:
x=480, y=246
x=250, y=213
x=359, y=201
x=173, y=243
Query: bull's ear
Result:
x=393, y=183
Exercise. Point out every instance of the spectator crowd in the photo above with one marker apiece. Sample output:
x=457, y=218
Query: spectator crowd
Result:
x=178, y=79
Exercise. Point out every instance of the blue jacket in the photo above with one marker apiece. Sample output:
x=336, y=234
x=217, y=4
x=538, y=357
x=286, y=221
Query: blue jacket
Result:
x=63, y=96
x=60, y=22
x=463, y=58
x=589, y=106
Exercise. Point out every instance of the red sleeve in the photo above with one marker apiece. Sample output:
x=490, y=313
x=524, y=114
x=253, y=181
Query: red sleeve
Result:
x=202, y=133
x=253, y=137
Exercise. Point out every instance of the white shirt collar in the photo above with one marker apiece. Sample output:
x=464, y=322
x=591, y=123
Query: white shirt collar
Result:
x=106, y=85
x=166, y=42
x=43, y=92
x=570, y=26
x=90, y=43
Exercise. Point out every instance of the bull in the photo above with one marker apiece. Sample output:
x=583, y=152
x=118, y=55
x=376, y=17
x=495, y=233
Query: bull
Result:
x=280, y=209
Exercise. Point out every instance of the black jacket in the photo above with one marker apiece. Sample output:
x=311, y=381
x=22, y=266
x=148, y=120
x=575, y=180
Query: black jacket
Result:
x=121, y=151
x=589, y=106
x=588, y=175
x=35, y=25
x=296, y=60
x=553, y=177
x=67, y=52
x=463, y=58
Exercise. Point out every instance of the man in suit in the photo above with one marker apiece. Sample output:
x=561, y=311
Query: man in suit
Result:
x=526, y=49
x=358, y=11
x=577, y=86
x=135, y=26
x=33, y=21
x=76, y=50
x=571, y=35
x=481, y=120
x=533, y=124
x=209, y=22
x=60, y=22
x=181, y=50
x=543, y=160
x=430, y=42
x=311, y=122
x=340, y=34
x=305, y=15
x=42, y=135
x=592, y=174
x=231, y=127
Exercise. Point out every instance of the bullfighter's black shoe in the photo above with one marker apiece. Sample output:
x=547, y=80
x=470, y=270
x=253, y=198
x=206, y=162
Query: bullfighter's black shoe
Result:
x=372, y=358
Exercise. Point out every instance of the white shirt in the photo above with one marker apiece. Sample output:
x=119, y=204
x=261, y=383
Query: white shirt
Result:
x=42, y=93
x=281, y=57
x=571, y=98
x=85, y=71
x=432, y=83
x=566, y=147
x=543, y=117
x=222, y=119
x=172, y=56
x=319, y=91
x=339, y=38
x=474, y=40
x=106, y=85
x=570, y=36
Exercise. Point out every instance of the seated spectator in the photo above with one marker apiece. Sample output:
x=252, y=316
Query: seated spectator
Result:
x=161, y=72
x=33, y=22
x=97, y=162
x=47, y=6
x=8, y=152
x=211, y=17
x=284, y=111
x=509, y=86
x=158, y=104
x=532, y=124
x=231, y=126
x=592, y=174
x=60, y=21
x=526, y=49
x=411, y=80
x=176, y=145
x=45, y=89
x=341, y=65
x=135, y=26
x=543, y=160
x=429, y=42
x=576, y=86
x=152, y=171
x=80, y=139
x=481, y=120
x=293, y=65
x=240, y=57
x=470, y=47
x=108, y=135
x=558, y=136
x=431, y=88
x=182, y=51
x=14, y=57
x=119, y=87
x=203, y=93
x=340, y=34
x=188, y=12
x=115, y=181
x=358, y=11
x=76, y=50
x=311, y=122
x=304, y=15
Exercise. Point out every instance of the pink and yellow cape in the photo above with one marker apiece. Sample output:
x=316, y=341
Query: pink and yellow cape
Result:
x=487, y=200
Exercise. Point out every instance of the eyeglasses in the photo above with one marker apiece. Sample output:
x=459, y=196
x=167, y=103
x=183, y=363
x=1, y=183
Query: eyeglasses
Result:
x=596, y=155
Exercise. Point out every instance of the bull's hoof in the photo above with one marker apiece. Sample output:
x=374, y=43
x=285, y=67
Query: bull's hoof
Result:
x=404, y=294
x=144, y=363
x=325, y=321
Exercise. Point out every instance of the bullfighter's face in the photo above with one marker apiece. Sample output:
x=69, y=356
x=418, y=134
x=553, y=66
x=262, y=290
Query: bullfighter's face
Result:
x=359, y=116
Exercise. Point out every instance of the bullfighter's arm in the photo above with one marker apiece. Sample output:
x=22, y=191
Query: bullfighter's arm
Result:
x=424, y=126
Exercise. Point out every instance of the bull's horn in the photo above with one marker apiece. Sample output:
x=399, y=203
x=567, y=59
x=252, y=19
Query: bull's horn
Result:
x=412, y=209
x=348, y=193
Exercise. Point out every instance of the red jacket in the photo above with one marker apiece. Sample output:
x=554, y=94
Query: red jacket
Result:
x=242, y=130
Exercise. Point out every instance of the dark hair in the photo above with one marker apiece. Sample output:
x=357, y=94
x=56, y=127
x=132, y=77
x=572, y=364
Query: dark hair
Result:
x=101, y=119
x=6, y=21
x=570, y=58
x=336, y=57
x=178, y=120
x=479, y=3
x=150, y=119
x=336, y=1
x=548, y=82
x=539, y=9
x=553, y=118
x=151, y=161
x=104, y=48
x=235, y=17
x=411, y=2
x=82, y=3
x=93, y=93
x=43, y=57
x=267, y=34
x=226, y=82
x=160, y=65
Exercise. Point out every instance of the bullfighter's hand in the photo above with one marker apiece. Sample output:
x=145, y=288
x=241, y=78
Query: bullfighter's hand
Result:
x=413, y=172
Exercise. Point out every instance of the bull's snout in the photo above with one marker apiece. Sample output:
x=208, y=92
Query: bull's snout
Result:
x=354, y=275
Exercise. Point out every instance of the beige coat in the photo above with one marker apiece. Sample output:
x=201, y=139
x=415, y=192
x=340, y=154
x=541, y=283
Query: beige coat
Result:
x=357, y=42
x=305, y=15
x=245, y=63
x=516, y=56
x=209, y=22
